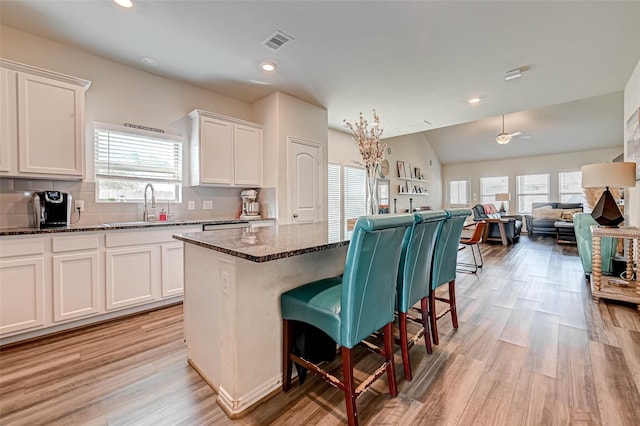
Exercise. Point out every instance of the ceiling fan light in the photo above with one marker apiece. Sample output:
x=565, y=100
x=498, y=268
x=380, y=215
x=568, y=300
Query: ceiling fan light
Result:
x=503, y=138
x=510, y=75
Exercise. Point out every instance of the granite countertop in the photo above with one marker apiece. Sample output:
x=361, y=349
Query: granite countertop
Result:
x=121, y=225
x=267, y=243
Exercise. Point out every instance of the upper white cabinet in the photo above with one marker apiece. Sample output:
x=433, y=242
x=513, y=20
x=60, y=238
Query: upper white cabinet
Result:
x=225, y=151
x=42, y=117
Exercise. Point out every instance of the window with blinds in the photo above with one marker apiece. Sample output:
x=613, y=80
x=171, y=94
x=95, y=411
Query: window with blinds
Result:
x=127, y=159
x=355, y=194
x=347, y=197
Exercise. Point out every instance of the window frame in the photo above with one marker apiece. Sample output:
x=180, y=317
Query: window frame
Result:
x=466, y=179
x=493, y=201
x=520, y=194
x=579, y=193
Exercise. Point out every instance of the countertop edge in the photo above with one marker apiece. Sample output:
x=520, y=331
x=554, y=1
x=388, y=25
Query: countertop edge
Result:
x=260, y=259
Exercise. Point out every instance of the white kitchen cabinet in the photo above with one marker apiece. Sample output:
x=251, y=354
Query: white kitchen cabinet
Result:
x=132, y=275
x=225, y=151
x=76, y=277
x=172, y=269
x=22, y=285
x=43, y=123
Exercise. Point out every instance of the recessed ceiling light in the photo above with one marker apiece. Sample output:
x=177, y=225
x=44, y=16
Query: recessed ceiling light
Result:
x=510, y=75
x=475, y=100
x=268, y=66
x=148, y=61
x=124, y=3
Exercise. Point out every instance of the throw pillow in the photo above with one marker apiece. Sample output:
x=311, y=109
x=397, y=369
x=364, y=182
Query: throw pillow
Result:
x=555, y=214
x=567, y=214
x=537, y=212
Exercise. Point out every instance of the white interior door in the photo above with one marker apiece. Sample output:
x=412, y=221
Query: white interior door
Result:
x=305, y=190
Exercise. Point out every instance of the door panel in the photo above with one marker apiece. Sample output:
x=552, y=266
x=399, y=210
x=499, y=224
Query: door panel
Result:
x=305, y=188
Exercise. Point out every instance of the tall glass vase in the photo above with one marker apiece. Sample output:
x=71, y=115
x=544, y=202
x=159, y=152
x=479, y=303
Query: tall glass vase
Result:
x=372, y=189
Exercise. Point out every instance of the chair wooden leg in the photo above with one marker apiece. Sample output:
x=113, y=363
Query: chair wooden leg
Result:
x=432, y=316
x=452, y=303
x=388, y=354
x=424, y=310
x=287, y=347
x=349, y=386
x=404, y=344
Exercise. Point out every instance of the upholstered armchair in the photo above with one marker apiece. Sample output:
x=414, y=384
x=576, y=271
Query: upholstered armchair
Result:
x=512, y=227
x=582, y=223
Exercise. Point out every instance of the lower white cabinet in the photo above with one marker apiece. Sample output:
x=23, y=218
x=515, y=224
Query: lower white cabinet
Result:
x=132, y=275
x=172, y=269
x=21, y=294
x=76, y=285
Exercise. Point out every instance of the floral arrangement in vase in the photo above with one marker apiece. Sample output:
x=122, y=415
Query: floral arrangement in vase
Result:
x=367, y=137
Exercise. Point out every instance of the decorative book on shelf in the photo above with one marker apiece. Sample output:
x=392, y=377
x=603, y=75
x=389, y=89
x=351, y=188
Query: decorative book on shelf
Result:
x=405, y=171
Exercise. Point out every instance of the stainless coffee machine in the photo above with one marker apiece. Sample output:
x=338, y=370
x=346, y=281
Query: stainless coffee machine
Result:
x=250, y=207
x=51, y=209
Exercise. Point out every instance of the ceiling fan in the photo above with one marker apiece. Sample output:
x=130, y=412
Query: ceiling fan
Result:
x=503, y=137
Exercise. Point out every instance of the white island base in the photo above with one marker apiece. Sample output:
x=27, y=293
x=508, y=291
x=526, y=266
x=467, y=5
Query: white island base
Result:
x=233, y=325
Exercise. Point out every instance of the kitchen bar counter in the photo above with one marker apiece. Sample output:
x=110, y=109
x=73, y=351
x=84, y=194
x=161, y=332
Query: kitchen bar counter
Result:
x=269, y=243
x=233, y=280
x=121, y=225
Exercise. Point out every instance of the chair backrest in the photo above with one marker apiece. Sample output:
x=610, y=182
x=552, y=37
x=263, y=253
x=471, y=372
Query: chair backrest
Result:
x=582, y=223
x=369, y=279
x=414, y=272
x=477, y=234
x=446, y=251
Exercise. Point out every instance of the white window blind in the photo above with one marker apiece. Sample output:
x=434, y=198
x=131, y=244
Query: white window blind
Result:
x=532, y=189
x=334, y=207
x=571, y=187
x=354, y=194
x=490, y=186
x=128, y=155
x=126, y=159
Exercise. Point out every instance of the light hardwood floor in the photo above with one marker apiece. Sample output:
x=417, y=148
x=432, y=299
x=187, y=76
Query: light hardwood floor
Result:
x=532, y=348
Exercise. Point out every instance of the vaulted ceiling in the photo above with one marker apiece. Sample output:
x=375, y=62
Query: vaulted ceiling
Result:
x=412, y=61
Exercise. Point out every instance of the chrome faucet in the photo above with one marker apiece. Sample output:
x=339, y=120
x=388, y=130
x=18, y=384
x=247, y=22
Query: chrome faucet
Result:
x=145, y=215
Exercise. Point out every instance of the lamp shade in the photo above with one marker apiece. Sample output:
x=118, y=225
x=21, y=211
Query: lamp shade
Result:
x=613, y=175
x=503, y=196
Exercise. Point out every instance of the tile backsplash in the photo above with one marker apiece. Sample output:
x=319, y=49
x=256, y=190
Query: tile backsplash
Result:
x=16, y=207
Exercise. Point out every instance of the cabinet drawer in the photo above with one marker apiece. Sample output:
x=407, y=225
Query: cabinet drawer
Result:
x=75, y=243
x=23, y=247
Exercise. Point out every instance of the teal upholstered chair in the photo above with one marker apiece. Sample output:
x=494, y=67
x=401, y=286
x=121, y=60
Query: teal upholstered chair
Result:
x=414, y=276
x=582, y=223
x=351, y=307
x=444, y=267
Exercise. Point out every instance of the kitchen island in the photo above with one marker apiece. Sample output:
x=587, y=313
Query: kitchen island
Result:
x=233, y=280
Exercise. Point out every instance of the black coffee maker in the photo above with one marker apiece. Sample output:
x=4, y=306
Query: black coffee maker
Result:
x=51, y=209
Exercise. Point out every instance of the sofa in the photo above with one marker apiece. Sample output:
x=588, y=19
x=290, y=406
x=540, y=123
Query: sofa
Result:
x=512, y=227
x=544, y=216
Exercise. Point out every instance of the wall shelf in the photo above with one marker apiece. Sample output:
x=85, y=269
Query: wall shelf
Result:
x=413, y=193
x=413, y=180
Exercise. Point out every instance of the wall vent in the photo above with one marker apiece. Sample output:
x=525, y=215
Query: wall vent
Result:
x=276, y=40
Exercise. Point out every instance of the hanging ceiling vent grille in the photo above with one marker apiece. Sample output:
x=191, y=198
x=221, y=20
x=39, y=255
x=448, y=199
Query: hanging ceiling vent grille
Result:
x=277, y=40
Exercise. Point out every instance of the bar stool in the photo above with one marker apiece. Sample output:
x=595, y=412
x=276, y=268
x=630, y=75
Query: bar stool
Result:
x=471, y=242
x=351, y=307
x=444, y=267
x=414, y=276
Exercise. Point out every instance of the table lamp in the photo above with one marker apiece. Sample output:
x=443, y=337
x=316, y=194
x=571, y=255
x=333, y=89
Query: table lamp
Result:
x=605, y=175
x=503, y=196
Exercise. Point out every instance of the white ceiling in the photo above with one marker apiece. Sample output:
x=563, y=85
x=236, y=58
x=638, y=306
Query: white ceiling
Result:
x=412, y=61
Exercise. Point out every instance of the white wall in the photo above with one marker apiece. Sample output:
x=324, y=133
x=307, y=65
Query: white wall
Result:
x=552, y=164
x=342, y=149
x=416, y=150
x=297, y=119
x=631, y=104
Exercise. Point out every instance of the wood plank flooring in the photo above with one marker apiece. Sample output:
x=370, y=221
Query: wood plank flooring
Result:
x=532, y=348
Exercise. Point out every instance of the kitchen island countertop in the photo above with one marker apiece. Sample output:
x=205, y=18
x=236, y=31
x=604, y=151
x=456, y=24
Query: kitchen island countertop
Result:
x=268, y=243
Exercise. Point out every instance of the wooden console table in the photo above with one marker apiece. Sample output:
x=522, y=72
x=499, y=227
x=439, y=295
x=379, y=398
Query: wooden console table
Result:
x=503, y=232
x=628, y=289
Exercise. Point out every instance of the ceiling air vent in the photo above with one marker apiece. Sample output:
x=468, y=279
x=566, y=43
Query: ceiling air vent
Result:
x=277, y=40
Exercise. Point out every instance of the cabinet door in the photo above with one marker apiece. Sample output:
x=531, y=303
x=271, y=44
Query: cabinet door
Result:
x=50, y=127
x=132, y=276
x=247, y=156
x=76, y=285
x=8, y=121
x=172, y=269
x=21, y=294
x=216, y=152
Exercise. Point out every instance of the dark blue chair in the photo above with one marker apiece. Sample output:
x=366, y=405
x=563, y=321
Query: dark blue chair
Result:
x=444, y=267
x=414, y=277
x=351, y=307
